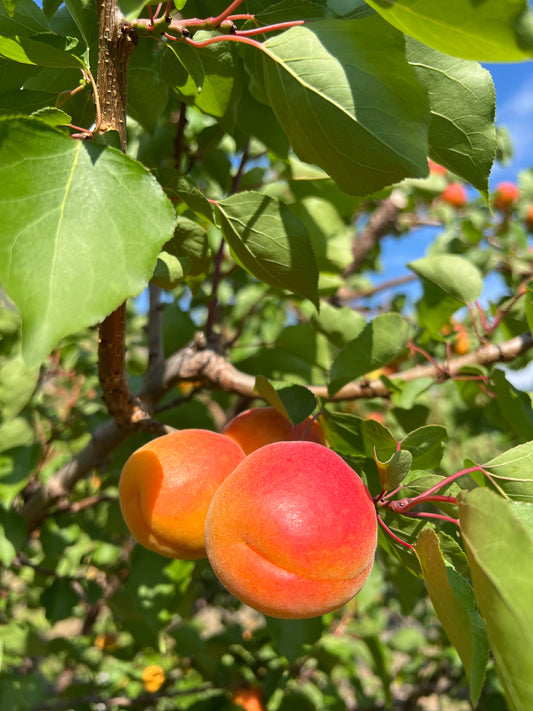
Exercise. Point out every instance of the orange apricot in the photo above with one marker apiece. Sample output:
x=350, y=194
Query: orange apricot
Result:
x=153, y=677
x=293, y=531
x=436, y=169
x=529, y=218
x=166, y=487
x=455, y=195
x=258, y=426
x=248, y=698
x=506, y=195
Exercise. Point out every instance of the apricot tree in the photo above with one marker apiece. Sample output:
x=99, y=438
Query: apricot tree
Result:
x=196, y=198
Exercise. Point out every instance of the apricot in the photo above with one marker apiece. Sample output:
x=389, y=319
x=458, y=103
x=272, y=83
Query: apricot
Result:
x=455, y=195
x=248, y=698
x=293, y=531
x=258, y=426
x=153, y=677
x=529, y=218
x=166, y=487
x=436, y=169
x=506, y=195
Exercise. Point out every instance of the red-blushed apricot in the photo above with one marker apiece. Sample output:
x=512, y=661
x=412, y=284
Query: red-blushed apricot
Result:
x=166, y=487
x=436, y=169
x=258, y=426
x=293, y=531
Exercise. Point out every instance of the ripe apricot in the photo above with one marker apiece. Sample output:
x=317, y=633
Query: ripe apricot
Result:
x=249, y=698
x=166, y=487
x=455, y=195
x=293, y=531
x=506, y=195
x=153, y=677
x=254, y=428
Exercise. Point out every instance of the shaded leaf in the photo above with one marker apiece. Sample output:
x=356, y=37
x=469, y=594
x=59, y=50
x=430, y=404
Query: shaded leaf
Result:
x=393, y=471
x=293, y=402
x=514, y=405
x=500, y=553
x=331, y=88
x=426, y=445
x=454, y=603
x=462, y=135
x=380, y=342
x=270, y=242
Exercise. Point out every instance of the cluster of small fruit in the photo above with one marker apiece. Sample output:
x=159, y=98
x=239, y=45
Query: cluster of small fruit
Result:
x=289, y=528
x=505, y=198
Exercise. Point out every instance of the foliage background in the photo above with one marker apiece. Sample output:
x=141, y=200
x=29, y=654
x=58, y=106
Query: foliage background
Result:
x=238, y=249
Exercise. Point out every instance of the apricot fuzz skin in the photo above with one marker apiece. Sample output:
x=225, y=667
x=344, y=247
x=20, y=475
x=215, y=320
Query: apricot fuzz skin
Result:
x=166, y=487
x=254, y=428
x=293, y=531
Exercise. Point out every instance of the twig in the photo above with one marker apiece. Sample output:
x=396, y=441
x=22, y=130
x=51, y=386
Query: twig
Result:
x=199, y=362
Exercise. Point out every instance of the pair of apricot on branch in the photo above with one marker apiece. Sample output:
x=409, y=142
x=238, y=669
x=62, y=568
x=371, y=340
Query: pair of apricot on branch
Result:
x=289, y=528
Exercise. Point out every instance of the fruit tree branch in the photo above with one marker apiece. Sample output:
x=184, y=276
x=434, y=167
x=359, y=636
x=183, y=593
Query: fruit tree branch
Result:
x=198, y=362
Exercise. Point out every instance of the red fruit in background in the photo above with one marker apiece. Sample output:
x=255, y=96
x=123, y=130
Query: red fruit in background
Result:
x=436, y=169
x=529, y=218
x=455, y=195
x=506, y=195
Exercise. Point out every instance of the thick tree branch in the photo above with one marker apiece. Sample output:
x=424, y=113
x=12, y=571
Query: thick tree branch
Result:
x=379, y=224
x=198, y=362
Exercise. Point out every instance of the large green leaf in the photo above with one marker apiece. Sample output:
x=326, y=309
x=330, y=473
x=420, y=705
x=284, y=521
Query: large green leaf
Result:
x=488, y=31
x=270, y=242
x=500, y=553
x=512, y=472
x=81, y=228
x=426, y=445
x=462, y=135
x=454, y=603
x=332, y=89
x=45, y=51
x=380, y=342
x=456, y=276
x=27, y=19
x=514, y=405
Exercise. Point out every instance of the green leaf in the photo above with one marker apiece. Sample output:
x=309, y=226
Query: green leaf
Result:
x=340, y=325
x=62, y=272
x=454, y=603
x=16, y=467
x=341, y=106
x=426, y=445
x=28, y=19
x=529, y=305
x=380, y=342
x=294, y=402
x=378, y=439
x=17, y=383
x=147, y=96
x=183, y=187
x=500, y=553
x=48, y=51
x=13, y=533
x=393, y=471
x=514, y=405
x=488, y=31
x=291, y=637
x=169, y=271
x=454, y=275
x=343, y=432
x=59, y=600
x=512, y=472
x=462, y=135
x=83, y=12
x=270, y=242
